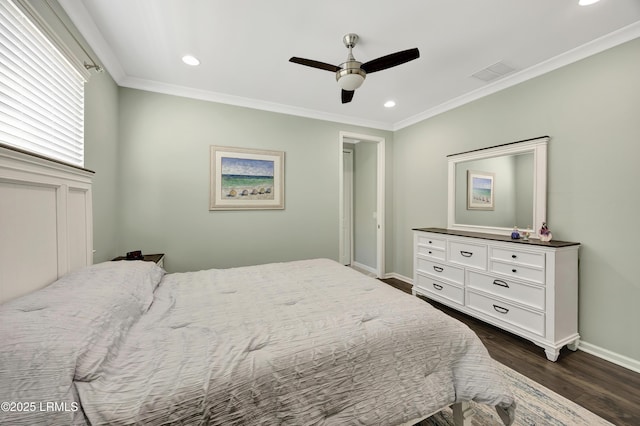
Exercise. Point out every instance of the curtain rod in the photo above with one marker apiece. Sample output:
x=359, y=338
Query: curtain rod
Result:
x=93, y=64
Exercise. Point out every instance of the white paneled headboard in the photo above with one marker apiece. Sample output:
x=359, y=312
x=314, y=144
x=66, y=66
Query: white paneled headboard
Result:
x=46, y=226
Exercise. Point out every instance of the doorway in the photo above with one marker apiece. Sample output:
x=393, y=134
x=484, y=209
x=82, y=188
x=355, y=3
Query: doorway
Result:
x=368, y=221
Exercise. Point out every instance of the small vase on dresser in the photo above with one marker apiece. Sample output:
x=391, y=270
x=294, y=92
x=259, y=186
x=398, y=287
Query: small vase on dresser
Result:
x=529, y=288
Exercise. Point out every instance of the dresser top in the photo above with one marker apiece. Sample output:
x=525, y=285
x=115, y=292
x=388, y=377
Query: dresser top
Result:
x=495, y=237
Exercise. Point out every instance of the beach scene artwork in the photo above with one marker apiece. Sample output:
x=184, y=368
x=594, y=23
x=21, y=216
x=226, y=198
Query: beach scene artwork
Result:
x=480, y=191
x=243, y=178
x=249, y=179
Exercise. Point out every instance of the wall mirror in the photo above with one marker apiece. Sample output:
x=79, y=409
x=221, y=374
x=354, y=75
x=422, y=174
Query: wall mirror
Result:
x=493, y=189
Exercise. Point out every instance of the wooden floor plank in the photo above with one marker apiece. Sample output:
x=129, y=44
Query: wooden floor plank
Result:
x=604, y=388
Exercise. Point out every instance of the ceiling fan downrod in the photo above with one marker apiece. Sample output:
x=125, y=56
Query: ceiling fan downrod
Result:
x=350, y=71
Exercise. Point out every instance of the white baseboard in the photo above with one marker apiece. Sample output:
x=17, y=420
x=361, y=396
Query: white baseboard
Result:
x=607, y=355
x=365, y=268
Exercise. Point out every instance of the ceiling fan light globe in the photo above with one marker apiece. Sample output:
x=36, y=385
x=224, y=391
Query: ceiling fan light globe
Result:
x=350, y=78
x=350, y=81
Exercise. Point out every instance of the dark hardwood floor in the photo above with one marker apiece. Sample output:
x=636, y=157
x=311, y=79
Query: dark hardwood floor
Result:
x=606, y=389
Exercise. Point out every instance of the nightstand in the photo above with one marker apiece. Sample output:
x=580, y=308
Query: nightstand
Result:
x=158, y=258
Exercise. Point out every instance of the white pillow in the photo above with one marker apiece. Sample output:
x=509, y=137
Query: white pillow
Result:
x=67, y=331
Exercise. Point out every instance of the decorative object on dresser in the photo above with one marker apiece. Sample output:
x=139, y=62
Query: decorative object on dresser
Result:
x=157, y=258
x=529, y=288
x=515, y=234
x=545, y=233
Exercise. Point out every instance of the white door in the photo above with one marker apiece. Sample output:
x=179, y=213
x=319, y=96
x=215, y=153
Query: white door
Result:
x=347, y=216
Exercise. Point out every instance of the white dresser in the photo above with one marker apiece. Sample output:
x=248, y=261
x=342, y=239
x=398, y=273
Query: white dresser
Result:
x=529, y=288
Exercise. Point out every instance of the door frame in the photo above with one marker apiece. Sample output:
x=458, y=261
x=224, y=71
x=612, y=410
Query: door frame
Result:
x=348, y=220
x=350, y=137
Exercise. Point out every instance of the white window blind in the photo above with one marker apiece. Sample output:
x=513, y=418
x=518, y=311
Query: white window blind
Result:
x=41, y=93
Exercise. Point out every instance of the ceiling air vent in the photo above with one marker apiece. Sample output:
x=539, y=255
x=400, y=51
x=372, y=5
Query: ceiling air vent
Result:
x=493, y=72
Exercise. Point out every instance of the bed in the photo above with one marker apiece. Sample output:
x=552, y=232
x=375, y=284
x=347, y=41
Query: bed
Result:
x=296, y=343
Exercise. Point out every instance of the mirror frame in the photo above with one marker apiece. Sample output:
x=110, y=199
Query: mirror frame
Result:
x=537, y=146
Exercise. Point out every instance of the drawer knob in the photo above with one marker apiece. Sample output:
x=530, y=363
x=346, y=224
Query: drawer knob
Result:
x=513, y=256
x=430, y=252
x=430, y=242
x=466, y=253
x=501, y=283
x=438, y=269
x=514, y=270
x=500, y=309
x=437, y=286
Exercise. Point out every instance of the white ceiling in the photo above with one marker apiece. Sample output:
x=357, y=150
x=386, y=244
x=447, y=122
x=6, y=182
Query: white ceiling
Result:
x=244, y=47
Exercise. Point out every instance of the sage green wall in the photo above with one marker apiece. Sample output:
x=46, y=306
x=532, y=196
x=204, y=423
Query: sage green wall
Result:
x=101, y=156
x=164, y=162
x=590, y=110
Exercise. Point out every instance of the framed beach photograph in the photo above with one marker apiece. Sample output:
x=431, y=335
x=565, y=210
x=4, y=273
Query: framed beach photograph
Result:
x=480, y=192
x=246, y=179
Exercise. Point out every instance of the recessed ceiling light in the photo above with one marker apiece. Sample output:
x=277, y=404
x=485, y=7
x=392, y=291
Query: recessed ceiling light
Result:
x=389, y=104
x=587, y=2
x=190, y=60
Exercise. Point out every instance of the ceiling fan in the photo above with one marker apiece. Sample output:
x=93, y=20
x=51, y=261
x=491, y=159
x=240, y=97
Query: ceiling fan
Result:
x=351, y=74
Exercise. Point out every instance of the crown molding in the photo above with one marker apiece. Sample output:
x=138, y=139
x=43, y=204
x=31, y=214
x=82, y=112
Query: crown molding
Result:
x=206, y=95
x=85, y=24
x=623, y=35
x=83, y=21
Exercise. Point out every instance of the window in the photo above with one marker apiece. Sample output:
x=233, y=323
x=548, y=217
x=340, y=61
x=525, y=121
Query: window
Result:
x=41, y=93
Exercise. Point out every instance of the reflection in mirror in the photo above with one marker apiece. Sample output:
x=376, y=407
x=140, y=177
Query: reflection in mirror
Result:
x=516, y=196
x=512, y=192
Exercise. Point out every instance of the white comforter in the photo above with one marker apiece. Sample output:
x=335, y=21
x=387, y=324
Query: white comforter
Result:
x=299, y=343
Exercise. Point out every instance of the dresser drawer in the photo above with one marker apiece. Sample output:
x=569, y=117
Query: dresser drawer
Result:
x=525, y=319
x=428, y=241
x=515, y=270
x=433, y=253
x=526, y=294
x=518, y=256
x=440, y=270
x=473, y=255
x=439, y=289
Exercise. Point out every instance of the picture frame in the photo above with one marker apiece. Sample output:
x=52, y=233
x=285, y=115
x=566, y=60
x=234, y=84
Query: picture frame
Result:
x=246, y=179
x=480, y=190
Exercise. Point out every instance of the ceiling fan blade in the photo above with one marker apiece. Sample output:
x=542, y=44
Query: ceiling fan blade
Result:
x=391, y=60
x=347, y=95
x=314, y=64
